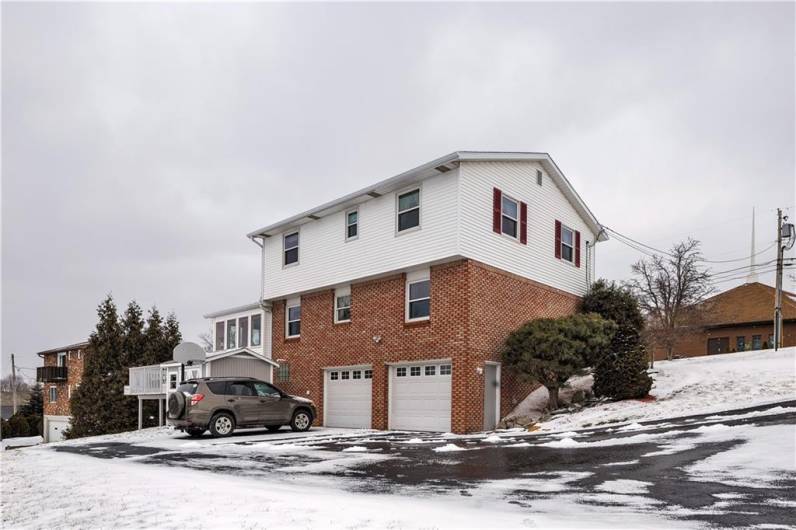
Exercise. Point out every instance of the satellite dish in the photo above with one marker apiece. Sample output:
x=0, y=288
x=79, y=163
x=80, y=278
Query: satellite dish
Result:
x=188, y=351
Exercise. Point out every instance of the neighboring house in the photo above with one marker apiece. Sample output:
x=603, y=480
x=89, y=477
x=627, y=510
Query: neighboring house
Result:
x=389, y=306
x=60, y=376
x=739, y=319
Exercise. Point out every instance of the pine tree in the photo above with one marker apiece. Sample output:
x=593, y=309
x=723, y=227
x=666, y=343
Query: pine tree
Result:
x=35, y=404
x=99, y=405
x=171, y=334
x=132, y=354
x=620, y=370
x=154, y=341
x=551, y=350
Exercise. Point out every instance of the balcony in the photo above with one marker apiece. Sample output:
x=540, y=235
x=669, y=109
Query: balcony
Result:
x=146, y=380
x=51, y=374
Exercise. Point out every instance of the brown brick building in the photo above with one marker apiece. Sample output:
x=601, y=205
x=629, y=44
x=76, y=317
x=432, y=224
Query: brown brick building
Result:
x=473, y=308
x=739, y=319
x=60, y=375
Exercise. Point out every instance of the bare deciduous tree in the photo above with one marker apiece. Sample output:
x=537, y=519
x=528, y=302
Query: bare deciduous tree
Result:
x=206, y=339
x=669, y=289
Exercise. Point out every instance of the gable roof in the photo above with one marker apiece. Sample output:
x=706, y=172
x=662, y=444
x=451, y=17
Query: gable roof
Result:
x=71, y=347
x=430, y=169
x=747, y=303
x=240, y=351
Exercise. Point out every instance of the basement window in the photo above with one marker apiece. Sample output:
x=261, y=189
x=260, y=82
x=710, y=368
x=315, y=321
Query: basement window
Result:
x=283, y=373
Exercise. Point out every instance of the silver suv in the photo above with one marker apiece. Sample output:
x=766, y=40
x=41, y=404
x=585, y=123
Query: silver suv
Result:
x=221, y=404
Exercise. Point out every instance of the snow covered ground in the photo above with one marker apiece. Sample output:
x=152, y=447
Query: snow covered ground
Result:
x=646, y=467
x=693, y=386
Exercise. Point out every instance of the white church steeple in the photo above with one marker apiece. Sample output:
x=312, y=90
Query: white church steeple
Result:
x=752, y=277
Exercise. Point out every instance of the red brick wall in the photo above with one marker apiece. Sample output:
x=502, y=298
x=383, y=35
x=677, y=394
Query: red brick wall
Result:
x=473, y=307
x=74, y=363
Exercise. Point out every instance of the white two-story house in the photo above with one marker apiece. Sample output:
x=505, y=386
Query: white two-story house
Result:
x=388, y=306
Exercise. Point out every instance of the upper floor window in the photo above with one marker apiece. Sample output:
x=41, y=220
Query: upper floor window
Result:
x=567, y=244
x=243, y=332
x=509, y=216
x=257, y=329
x=351, y=224
x=342, y=304
x=290, y=245
x=53, y=394
x=539, y=177
x=219, y=335
x=293, y=318
x=62, y=358
x=409, y=210
x=418, y=299
x=231, y=334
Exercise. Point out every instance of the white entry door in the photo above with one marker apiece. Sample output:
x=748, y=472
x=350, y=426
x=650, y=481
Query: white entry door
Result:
x=348, y=398
x=55, y=430
x=420, y=397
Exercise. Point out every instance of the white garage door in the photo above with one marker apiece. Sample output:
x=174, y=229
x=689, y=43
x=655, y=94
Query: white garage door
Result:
x=420, y=397
x=348, y=397
x=55, y=430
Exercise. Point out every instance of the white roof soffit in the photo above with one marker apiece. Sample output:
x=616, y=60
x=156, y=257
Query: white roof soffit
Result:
x=430, y=169
x=233, y=310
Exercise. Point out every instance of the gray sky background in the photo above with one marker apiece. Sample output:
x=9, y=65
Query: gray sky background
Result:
x=142, y=142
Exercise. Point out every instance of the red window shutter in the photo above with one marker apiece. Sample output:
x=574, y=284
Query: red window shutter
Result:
x=523, y=223
x=497, y=197
x=577, y=248
x=558, y=239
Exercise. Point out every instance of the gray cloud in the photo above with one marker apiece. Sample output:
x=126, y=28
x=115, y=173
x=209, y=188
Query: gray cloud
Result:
x=141, y=142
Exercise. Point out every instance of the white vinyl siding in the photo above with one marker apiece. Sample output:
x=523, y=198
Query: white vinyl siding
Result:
x=546, y=203
x=327, y=260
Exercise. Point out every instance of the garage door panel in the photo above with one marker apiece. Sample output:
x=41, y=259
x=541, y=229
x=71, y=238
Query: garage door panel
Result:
x=420, y=402
x=348, y=401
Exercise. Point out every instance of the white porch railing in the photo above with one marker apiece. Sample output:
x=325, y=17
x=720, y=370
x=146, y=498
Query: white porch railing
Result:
x=146, y=380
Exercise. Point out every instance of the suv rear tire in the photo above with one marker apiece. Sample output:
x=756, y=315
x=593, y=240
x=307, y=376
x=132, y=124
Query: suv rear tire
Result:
x=222, y=424
x=301, y=420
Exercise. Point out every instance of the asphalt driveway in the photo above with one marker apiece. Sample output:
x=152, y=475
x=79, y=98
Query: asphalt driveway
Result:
x=676, y=466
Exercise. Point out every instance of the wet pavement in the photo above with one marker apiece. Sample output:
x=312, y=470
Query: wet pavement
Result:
x=643, y=466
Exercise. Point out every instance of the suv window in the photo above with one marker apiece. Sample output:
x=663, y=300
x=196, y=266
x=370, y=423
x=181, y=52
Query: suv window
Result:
x=187, y=388
x=217, y=387
x=264, y=389
x=239, y=388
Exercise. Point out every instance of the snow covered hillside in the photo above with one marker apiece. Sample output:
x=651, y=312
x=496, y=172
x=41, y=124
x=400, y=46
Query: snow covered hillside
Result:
x=699, y=385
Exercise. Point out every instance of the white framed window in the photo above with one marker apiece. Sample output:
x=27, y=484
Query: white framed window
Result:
x=257, y=330
x=352, y=224
x=79, y=355
x=342, y=304
x=418, y=296
x=509, y=216
x=445, y=369
x=414, y=371
x=335, y=376
x=293, y=318
x=231, y=334
x=368, y=374
x=400, y=372
x=220, y=335
x=356, y=374
x=408, y=210
x=243, y=332
x=345, y=374
x=567, y=244
x=539, y=177
x=62, y=358
x=53, y=394
x=431, y=370
x=290, y=249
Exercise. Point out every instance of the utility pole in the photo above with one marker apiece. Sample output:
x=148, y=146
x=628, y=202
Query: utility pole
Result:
x=14, y=383
x=778, y=294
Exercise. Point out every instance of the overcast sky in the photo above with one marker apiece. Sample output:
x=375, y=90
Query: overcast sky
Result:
x=142, y=142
